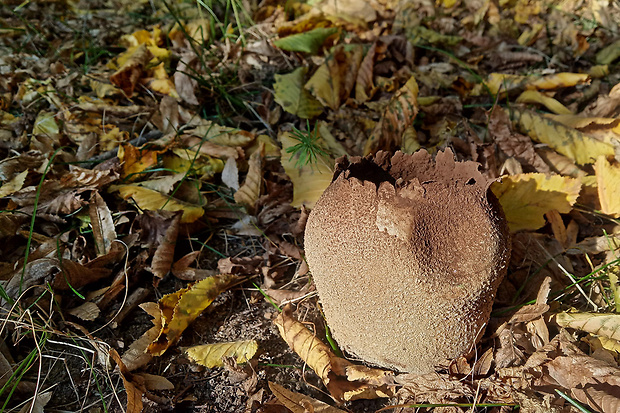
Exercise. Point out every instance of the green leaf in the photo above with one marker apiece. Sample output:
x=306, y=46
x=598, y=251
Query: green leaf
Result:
x=307, y=42
x=289, y=92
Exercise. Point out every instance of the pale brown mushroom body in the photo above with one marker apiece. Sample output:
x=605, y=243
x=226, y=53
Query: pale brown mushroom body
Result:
x=407, y=254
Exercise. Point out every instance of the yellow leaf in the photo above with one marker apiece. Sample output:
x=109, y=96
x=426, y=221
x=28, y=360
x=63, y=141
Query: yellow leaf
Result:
x=151, y=200
x=570, y=142
x=180, y=309
x=221, y=135
x=534, y=96
x=299, y=403
x=290, y=93
x=343, y=379
x=310, y=181
x=14, y=184
x=210, y=355
x=187, y=160
x=526, y=198
x=608, y=182
x=558, y=80
x=606, y=325
x=46, y=125
x=508, y=83
x=159, y=82
x=248, y=193
x=333, y=81
x=614, y=283
x=602, y=129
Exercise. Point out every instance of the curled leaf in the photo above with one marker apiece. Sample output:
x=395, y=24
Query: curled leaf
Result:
x=180, y=309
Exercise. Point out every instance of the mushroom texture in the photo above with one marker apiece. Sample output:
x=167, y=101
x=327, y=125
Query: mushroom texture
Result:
x=407, y=254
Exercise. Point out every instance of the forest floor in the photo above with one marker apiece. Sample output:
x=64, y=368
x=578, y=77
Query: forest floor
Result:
x=160, y=159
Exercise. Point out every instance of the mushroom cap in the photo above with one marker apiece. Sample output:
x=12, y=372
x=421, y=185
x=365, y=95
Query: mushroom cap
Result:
x=407, y=254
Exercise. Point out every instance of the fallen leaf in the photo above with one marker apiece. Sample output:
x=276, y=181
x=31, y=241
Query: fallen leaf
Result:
x=248, y=193
x=344, y=380
x=310, y=181
x=567, y=141
x=514, y=144
x=150, y=200
x=211, y=355
x=180, y=309
x=164, y=254
x=88, y=311
x=134, y=390
x=220, y=135
x=155, y=382
x=102, y=224
x=608, y=182
x=606, y=325
x=14, y=184
x=131, y=70
x=507, y=82
x=333, y=81
x=398, y=115
x=137, y=355
x=299, y=403
x=307, y=42
x=534, y=96
x=290, y=93
x=608, y=54
x=526, y=198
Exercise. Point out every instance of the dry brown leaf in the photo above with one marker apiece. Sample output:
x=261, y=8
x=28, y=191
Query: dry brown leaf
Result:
x=211, y=355
x=130, y=72
x=604, y=105
x=289, y=92
x=164, y=254
x=133, y=389
x=102, y=223
x=398, y=115
x=136, y=355
x=249, y=192
x=155, y=382
x=180, y=309
x=364, y=84
x=299, y=403
x=181, y=268
x=344, y=380
x=88, y=311
x=333, y=81
x=514, y=144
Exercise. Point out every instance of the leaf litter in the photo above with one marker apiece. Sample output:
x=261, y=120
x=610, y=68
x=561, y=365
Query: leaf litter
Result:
x=160, y=159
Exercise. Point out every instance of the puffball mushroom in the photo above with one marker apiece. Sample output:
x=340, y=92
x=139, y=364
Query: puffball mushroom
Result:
x=407, y=254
